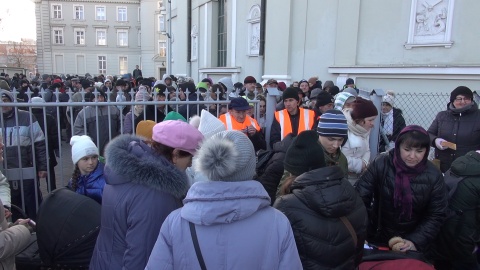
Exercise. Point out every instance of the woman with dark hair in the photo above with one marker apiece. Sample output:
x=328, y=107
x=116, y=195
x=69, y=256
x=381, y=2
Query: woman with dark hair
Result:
x=405, y=193
x=145, y=182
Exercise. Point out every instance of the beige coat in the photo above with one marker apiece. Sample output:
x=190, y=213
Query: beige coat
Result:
x=12, y=241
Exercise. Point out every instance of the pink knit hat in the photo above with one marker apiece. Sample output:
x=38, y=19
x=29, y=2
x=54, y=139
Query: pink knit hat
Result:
x=177, y=134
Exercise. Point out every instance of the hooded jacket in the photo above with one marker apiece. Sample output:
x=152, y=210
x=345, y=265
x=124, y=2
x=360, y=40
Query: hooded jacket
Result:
x=461, y=232
x=461, y=127
x=236, y=229
x=318, y=199
x=142, y=189
x=429, y=198
x=92, y=184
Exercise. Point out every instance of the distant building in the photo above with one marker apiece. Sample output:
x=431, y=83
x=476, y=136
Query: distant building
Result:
x=18, y=55
x=100, y=37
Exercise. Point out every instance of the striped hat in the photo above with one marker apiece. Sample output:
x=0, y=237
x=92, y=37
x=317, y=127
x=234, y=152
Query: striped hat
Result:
x=333, y=124
x=342, y=98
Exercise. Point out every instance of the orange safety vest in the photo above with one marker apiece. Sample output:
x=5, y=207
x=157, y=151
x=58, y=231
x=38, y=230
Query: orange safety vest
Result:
x=307, y=118
x=232, y=124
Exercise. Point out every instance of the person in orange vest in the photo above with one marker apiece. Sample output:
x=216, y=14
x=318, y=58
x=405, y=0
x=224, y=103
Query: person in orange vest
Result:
x=237, y=119
x=292, y=119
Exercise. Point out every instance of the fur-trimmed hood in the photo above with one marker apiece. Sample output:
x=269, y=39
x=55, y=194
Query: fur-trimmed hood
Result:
x=129, y=159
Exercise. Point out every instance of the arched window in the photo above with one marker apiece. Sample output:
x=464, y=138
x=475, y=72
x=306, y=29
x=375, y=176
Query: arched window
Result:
x=254, y=30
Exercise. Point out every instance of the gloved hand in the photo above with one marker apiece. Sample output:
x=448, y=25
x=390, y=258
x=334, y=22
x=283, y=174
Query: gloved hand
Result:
x=438, y=144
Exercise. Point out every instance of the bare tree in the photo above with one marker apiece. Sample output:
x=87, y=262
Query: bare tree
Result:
x=21, y=54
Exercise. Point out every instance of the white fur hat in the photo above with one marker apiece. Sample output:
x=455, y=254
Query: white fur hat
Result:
x=389, y=98
x=82, y=146
x=210, y=125
x=227, y=156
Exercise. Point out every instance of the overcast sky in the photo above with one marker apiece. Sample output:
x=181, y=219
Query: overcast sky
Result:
x=18, y=20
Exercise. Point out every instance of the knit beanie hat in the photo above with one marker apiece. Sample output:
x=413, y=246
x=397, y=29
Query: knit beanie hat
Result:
x=342, y=98
x=323, y=98
x=328, y=84
x=349, y=81
x=174, y=116
x=351, y=91
x=312, y=80
x=145, y=129
x=363, y=108
x=142, y=95
x=315, y=93
x=210, y=125
x=389, y=98
x=291, y=92
x=333, y=123
x=227, y=156
x=304, y=154
x=249, y=79
x=461, y=90
x=82, y=146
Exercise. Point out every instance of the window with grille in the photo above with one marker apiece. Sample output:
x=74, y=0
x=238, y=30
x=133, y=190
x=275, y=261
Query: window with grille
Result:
x=56, y=11
x=222, y=35
x=162, y=48
x=79, y=34
x=78, y=13
x=100, y=13
x=101, y=37
x=57, y=35
x=161, y=23
x=122, y=14
x=122, y=38
x=102, y=64
x=123, y=63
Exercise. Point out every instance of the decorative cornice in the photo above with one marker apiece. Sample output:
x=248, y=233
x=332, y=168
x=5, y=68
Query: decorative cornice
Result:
x=94, y=1
x=121, y=27
x=101, y=26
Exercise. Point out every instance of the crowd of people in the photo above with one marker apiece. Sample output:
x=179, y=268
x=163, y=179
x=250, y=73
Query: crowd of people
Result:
x=191, y=173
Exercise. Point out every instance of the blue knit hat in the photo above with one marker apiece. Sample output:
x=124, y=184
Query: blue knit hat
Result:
x=333, y=124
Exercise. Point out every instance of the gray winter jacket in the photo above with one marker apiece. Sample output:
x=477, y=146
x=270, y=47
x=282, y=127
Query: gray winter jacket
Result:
x=236, y=228
x=86, y=123
x=142, y=189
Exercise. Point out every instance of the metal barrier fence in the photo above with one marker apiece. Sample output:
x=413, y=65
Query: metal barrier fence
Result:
x=31, y=147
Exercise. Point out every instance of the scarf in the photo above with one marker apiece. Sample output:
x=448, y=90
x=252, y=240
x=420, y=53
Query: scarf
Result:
x=402, y=196
x=460, y=110
x=388, y=122
x=354, y=127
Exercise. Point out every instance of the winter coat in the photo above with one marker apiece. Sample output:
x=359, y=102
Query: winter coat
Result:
x=12, y=240
x=274, y=168
x=92, y=184
x=236, y=229
x=461, y=232
x=357, y=152
x=461, y=128
x=189, y=110
x=86, y=123
x=142, y=189
x=50, y=132
x=318, y=199
x=429, y=195
x=398, y=125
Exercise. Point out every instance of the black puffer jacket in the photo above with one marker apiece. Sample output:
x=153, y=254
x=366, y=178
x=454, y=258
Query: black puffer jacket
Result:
x=319, y=198
x=429, y=202
x=274, y=169
x=461, y=127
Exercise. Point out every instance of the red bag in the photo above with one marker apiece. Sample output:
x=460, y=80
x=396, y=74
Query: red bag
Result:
x=399, y=264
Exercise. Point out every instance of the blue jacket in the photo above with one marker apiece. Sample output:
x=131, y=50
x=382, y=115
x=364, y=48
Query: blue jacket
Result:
x=142, y=189
x=91, y=185
x=236, y=228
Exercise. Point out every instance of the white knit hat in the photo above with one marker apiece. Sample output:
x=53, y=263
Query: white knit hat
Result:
x=389, y=97
x=82, y=146
x=227, y=156
x=210, y=125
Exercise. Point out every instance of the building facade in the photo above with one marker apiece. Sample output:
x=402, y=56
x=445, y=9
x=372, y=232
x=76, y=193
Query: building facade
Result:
x=414, y=45
x=99, y=37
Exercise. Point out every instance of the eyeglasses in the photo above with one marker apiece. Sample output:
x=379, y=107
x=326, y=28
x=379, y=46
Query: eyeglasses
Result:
x=463, y=99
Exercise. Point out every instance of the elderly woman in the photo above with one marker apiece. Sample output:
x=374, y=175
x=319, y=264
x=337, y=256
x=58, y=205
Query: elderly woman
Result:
x=405, y=193
x=459, y=124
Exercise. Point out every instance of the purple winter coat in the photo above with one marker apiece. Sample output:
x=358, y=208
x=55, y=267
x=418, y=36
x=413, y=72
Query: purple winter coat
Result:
x=236, y=228
x=142, y=189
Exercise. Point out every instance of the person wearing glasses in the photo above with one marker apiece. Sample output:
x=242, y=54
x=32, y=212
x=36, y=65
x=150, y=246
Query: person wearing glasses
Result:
x=459, y=124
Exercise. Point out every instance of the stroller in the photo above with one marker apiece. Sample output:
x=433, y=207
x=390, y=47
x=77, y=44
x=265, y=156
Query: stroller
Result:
x=67, y=228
